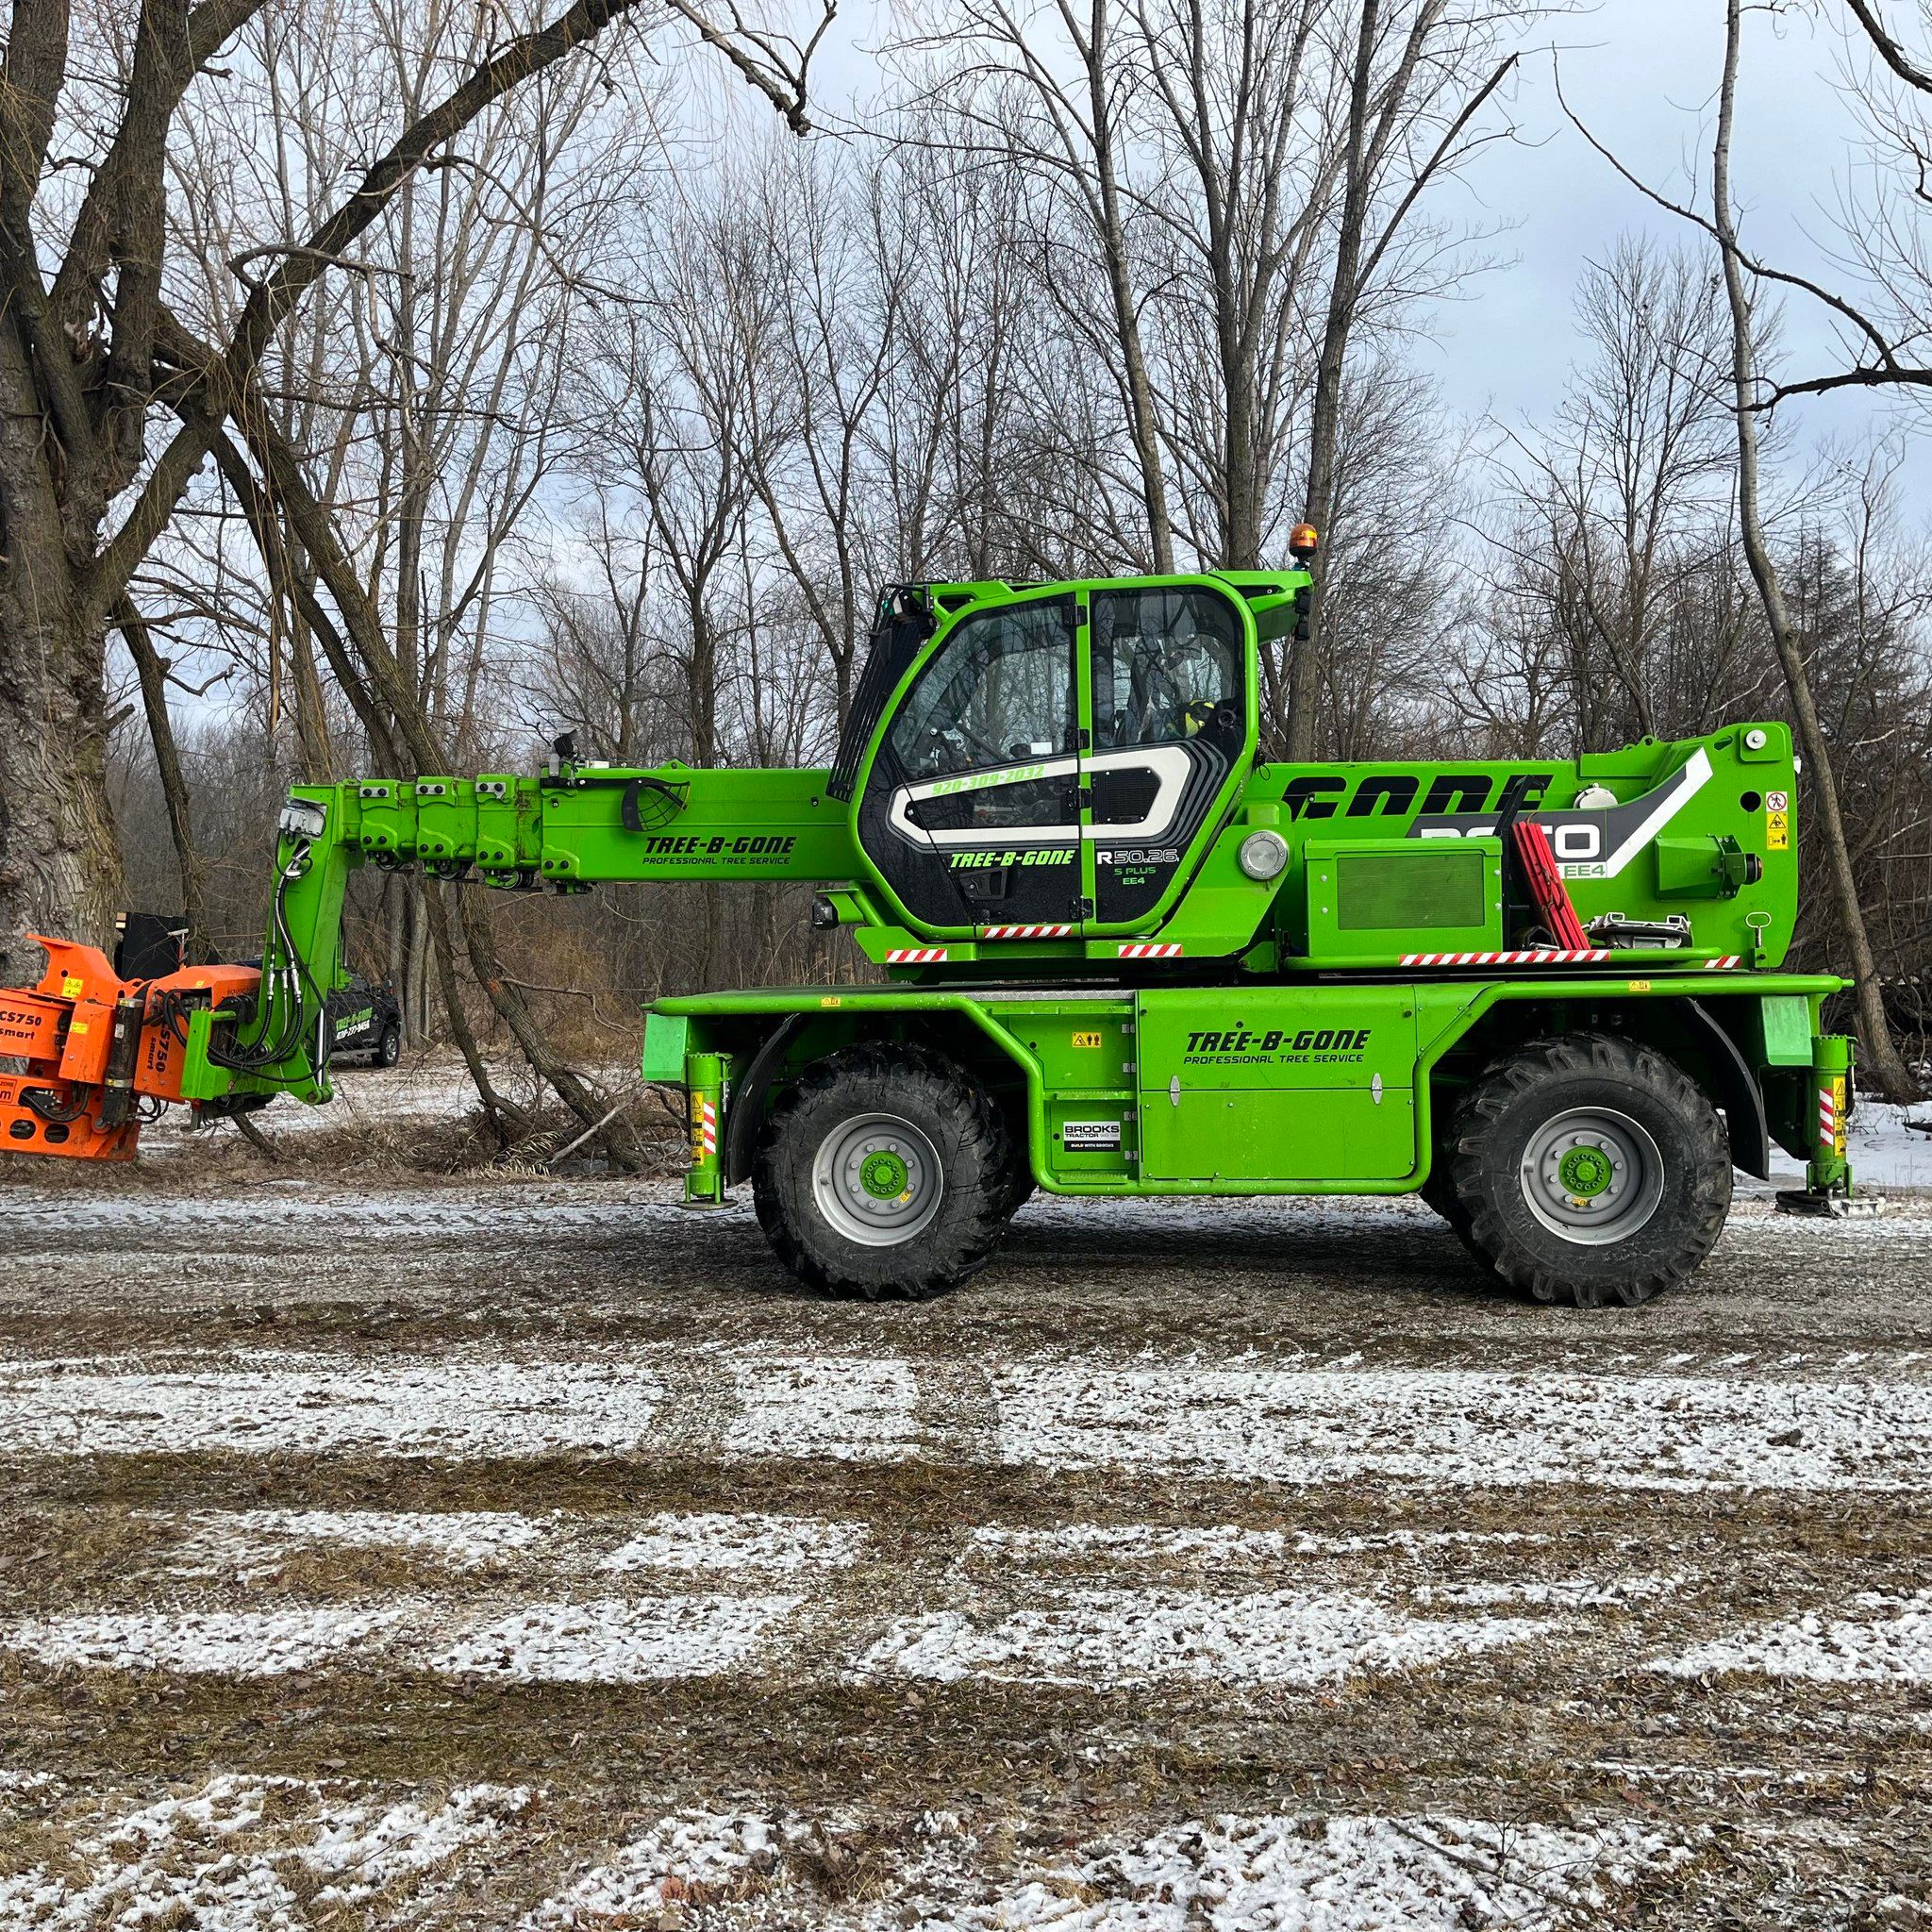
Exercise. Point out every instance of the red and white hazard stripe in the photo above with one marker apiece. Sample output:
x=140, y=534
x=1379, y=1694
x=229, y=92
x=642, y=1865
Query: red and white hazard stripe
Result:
x=1141, y=951
x=1546, y=956
x=1026, y=932
x=1723, y=963
x=914, y=956
x=708, y=1128
x=1827, y=1119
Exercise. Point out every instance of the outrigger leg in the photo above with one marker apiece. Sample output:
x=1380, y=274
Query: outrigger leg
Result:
x=1827, y=1188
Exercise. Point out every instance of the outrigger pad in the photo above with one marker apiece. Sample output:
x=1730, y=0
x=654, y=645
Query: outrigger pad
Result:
x=1830, y=1207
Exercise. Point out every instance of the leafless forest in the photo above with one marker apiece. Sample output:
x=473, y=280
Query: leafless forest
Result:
x=391, y=384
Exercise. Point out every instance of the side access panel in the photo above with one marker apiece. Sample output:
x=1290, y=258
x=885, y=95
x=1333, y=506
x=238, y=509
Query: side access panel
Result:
x=1311, y=1084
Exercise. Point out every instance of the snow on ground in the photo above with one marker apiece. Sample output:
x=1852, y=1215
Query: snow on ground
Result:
x=1338, y=1875
x=1883, y=1150
x=220, y=1860
x=1063, y=1635
x=1475, y=1427
x=234, y=1643
x=694, y=1852
x=609, y=1640
x=1224, y=1543
x=1431, y=1426
x=1112, y=1636
x=1348, y=1873
x=271, y=1402
x=252, y=1542
x=604, y=1640
x=1500, y=1530
x=266, y=1854
x=716, y=1541
x=438, y=1089
x=1563, y=1592
x=815, y=1405
x=1890, y=1642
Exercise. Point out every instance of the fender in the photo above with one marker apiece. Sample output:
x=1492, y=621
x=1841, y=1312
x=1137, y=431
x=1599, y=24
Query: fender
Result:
x=746, y=1112
x=1736, y=1091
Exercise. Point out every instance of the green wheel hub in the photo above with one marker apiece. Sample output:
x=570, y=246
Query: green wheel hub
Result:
x=1585, y=1172
x=882, y=1174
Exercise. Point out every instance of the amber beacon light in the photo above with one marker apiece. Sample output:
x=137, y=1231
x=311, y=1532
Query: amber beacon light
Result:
x=1303, y=541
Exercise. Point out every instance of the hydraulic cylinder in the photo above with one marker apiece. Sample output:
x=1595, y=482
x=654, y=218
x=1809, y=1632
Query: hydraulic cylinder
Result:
x=704, y=1082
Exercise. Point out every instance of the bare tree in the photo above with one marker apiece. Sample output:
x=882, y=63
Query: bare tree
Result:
x=1629, y=488
x=80, y=384
x=1750, y=395
x=1881, y=1055
x=1407, y=78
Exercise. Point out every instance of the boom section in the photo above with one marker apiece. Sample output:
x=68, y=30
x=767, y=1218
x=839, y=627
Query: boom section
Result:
x=593, y=825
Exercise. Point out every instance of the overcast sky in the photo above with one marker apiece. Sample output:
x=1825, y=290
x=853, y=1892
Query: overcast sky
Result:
x=1642, y=74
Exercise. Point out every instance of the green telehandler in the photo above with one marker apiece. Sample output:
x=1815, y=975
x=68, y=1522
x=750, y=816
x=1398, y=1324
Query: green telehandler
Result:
x=1121, y=956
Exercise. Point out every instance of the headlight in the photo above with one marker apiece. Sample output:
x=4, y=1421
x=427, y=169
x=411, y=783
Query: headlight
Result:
x=1263, y=855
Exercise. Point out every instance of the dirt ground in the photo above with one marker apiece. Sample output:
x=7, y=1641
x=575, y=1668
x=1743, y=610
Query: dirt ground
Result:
x=517, y=1553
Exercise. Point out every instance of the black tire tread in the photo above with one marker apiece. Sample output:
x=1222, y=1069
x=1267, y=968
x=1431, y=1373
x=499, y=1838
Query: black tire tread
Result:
x=1470, y=1154
x=928, y=1268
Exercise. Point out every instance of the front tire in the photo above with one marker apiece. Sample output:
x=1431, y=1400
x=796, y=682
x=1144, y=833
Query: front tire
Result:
x=1590, y=1170
x=883, y=1174
x=389, y=1049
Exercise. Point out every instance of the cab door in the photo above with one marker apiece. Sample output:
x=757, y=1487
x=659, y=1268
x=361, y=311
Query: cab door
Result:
x=971, y=812
x=1172, y=724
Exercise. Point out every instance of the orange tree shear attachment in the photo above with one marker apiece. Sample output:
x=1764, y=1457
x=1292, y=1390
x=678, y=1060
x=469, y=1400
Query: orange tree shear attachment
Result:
x=102, y=1052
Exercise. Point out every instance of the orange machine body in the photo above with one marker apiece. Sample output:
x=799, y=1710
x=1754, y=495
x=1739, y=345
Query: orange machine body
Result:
x=84, y=1074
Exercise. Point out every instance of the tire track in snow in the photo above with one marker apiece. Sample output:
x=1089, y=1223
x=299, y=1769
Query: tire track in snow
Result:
x=1463, y=1427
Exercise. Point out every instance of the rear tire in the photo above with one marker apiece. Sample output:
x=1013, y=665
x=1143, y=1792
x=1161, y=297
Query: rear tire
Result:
x=1590, y=1170
x=885, y=1174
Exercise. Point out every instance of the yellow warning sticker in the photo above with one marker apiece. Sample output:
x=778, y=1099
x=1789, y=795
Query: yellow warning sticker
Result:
x=833, y=1001
x=1640, y=985
x=1777, y=831
x=77, y=1026
x=71, y=987
x=1086, y=1040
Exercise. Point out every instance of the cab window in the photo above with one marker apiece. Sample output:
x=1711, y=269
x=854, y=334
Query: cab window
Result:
x=1000, y=692
x=1167, y=666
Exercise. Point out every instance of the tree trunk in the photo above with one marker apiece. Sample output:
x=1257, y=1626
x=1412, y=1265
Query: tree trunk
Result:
x=1325, y=427
x=1881, y=1055
x=153, y=673
x=60, y=865
x=1142, y=420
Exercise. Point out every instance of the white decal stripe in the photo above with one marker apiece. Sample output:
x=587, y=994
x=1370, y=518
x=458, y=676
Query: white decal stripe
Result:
x=1169, y=763
x=1679, y=789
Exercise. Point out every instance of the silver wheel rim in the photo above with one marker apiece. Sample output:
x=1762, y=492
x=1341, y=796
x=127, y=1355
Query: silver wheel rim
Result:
x=1592, y=1175
x=877, y=1181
